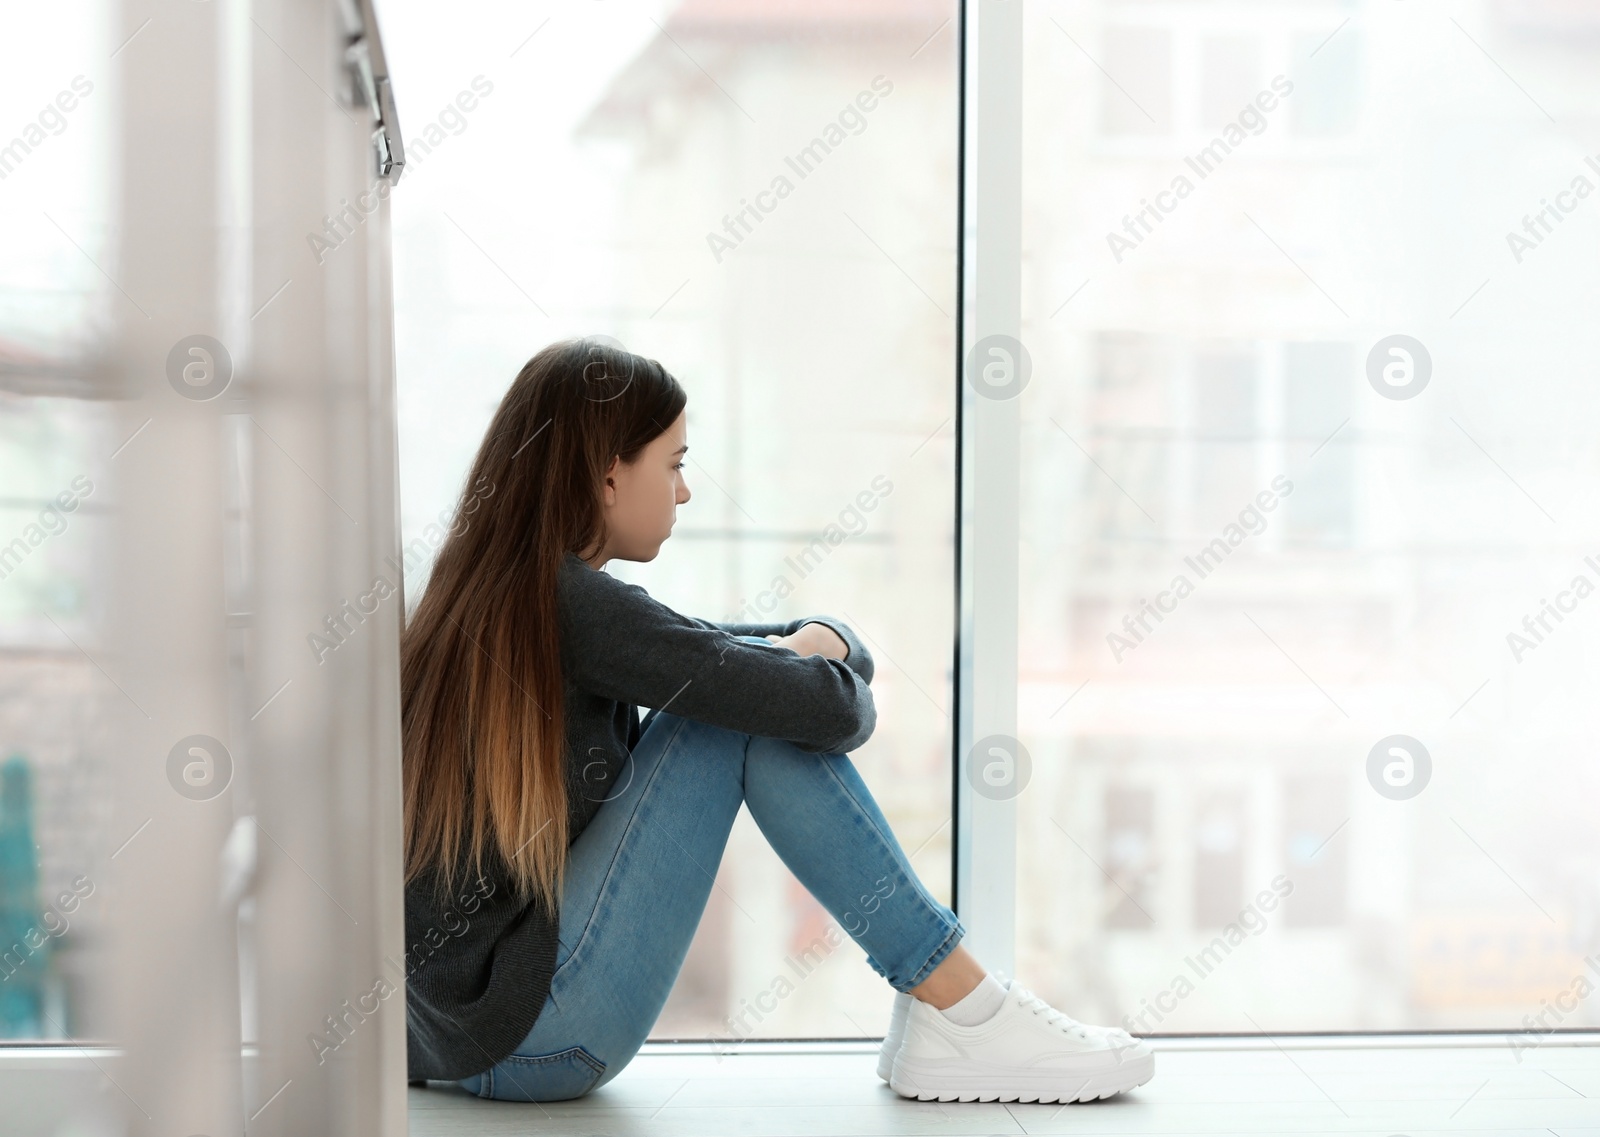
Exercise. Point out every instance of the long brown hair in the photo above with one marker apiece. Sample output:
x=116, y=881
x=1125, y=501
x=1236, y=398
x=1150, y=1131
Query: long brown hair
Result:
x=483, y=735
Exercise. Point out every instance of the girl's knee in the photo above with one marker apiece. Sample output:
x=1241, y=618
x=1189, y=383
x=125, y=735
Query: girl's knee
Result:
x=677, y=722
x=775, y=750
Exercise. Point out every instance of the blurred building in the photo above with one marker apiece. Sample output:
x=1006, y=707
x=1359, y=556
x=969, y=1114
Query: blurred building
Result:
x=1214, y=345
x=1208, y=341
x=47, y=684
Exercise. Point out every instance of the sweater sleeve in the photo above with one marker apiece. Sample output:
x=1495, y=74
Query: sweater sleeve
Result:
x=621, y=643
x=857, y=657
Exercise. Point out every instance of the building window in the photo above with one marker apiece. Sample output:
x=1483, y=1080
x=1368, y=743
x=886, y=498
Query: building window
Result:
x=1314, y=808
x=1319, y=396
x=1136, y=82
x=1219, y=846
x=1327, y=87
x=1130, y=856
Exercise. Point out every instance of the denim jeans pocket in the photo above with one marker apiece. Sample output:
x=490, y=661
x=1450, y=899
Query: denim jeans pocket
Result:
x=560, y=1076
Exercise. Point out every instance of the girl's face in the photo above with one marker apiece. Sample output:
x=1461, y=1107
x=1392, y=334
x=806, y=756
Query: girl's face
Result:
x=642, y=497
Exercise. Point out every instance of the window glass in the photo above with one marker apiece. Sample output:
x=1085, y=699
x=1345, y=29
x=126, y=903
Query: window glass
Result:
x=763, y=198
x=1307, y=658
x=58, y=302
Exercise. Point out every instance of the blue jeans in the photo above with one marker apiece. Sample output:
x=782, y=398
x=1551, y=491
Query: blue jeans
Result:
x=639, y=875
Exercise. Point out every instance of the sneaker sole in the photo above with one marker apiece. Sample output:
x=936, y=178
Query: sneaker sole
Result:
x=932, y=1084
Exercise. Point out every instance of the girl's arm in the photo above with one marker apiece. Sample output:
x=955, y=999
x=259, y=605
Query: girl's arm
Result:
x=621, y=643
x=857, y=657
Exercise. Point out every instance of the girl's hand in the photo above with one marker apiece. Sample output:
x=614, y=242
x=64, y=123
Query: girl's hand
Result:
x=814, y=639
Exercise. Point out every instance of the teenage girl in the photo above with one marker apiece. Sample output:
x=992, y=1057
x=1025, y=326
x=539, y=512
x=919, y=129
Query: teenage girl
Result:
x=560, y=851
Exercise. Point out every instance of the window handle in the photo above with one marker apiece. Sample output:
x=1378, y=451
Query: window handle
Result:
x=369, y=73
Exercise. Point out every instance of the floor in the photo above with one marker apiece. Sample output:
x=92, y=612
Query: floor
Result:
x=1440, y=1085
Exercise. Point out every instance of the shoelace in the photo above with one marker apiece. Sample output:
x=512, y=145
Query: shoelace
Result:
x=1059, y=1019
x=1052, y=1016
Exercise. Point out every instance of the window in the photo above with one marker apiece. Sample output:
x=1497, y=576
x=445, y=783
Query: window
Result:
x=1320, y=399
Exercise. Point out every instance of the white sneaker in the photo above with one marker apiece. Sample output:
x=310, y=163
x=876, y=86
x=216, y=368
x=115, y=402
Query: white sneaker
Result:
x=897, y=1028
x=1028, y=1051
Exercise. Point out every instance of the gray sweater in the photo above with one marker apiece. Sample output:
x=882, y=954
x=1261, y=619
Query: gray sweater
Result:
x=478, y=968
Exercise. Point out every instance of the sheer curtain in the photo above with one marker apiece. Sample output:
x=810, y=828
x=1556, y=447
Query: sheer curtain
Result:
x=218, y=618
